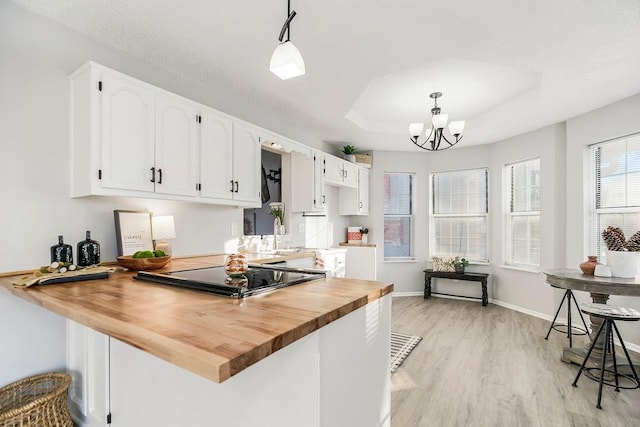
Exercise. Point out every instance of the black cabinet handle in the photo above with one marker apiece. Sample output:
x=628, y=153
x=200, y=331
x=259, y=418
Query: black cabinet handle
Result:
x=237, y=186
x=153, y=174
x=160, y=178
x=323, y=199
x=232, y=186
x=360, y=205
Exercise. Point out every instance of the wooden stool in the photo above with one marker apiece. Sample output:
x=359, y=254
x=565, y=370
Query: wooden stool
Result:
x=568, y=295
x=609, y=314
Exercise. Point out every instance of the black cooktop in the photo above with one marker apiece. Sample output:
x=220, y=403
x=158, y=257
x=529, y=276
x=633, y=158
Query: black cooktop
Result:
x=258, y=279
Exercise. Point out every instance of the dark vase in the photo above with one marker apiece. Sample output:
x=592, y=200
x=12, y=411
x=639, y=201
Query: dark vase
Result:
x=61, y=252
x=589, y=266
x=459, y=269
x=88, y=251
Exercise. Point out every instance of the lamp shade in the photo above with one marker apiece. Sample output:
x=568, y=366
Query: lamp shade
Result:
x=286, y=61
x=415, y=129
x=456, y=127
x=440, y=120
x=162, y=227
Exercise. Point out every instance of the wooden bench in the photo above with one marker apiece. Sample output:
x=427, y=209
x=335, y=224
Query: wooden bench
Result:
x=474, y=277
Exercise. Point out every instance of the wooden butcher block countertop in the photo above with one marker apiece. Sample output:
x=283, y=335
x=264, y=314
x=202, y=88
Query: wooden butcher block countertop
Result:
x=212, y=336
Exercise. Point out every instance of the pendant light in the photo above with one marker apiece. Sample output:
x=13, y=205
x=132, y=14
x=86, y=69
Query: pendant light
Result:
x=286, y=61
x=436, y=138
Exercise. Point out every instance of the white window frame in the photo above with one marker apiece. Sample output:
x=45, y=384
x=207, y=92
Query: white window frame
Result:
x=509, y=215
x=411, y=216
x=595, y=243
x=433, y=216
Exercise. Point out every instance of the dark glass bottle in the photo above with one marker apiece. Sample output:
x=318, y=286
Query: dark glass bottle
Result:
x=88, y=251
x=61, y=252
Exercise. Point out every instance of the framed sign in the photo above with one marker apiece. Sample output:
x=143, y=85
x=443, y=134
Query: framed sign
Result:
x=133, y=231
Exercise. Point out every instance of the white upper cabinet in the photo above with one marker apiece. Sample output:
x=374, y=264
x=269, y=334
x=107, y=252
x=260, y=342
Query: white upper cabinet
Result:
x=216, y=156
x=355, y=201
x=350, y=174
x=333, y=170
x=340, y=172
x=127, y=137
x=319, y=198
x=247, y=164
x=307, y=183
x=176, y=162
x=363, y=191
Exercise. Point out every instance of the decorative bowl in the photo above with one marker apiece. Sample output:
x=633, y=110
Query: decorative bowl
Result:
x=143, y=263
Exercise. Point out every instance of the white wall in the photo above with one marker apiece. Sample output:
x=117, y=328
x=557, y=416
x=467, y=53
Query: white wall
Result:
x=517, y=288
x=615, y=120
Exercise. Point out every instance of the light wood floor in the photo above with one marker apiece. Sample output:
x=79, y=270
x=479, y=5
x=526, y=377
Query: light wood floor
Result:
x=490, y=366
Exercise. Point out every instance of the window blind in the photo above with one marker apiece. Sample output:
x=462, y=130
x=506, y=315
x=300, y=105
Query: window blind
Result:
x=615, y=170
x=523, y=225
x=398, y=215
x=460, y=205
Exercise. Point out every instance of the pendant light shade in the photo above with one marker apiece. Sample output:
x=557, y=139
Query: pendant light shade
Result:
x=440, y=121
x=286, y=61
x=415, y=129
x=456, y=127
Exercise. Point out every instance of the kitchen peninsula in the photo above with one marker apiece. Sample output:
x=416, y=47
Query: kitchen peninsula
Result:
x=313, y=354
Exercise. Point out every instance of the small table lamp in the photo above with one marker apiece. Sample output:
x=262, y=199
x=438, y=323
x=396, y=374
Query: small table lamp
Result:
x=162, y=228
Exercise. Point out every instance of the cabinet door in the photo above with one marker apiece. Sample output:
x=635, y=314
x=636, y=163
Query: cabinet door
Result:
x=88, y=364
x=363, y=191
x=216, y=156
x=319, y=198
x=301, y=182
x=246, y=164
x=350, y=174
x=127, y=135
x=333, y=169
x=176, y=146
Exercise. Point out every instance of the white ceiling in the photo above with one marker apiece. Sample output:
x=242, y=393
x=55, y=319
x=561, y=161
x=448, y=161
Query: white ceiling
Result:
x=506, y=67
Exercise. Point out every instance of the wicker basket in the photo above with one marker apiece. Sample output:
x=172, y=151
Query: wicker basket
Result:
x=39, y=400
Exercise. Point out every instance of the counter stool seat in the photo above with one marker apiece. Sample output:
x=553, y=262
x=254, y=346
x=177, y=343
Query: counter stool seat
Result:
x=610, y=314
x=571, y=330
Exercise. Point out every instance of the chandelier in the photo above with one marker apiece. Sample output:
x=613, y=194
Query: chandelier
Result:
x=436, y=137
x=286, y=61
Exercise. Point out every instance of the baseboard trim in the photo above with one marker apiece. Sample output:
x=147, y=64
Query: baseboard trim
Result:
x=630, y=346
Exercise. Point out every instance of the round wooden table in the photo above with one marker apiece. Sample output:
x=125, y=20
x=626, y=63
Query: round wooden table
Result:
x=600, y=288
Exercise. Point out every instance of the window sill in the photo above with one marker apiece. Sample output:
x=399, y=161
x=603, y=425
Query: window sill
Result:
x=534, y=270
x=400, y=260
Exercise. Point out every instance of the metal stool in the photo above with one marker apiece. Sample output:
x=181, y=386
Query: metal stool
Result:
x=609, y=314
x=568, y=295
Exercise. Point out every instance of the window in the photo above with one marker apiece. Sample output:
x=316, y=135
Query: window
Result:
x=459, y=214
x=523, y=213
x=398, y=215
x=616, y=188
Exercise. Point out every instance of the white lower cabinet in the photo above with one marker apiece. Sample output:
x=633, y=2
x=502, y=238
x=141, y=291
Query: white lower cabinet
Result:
x=88, y=365
x=361, y=263
x=333, y=261
x=336, y=376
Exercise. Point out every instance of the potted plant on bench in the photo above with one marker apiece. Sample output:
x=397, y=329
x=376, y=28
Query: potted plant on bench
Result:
x=459, y=264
